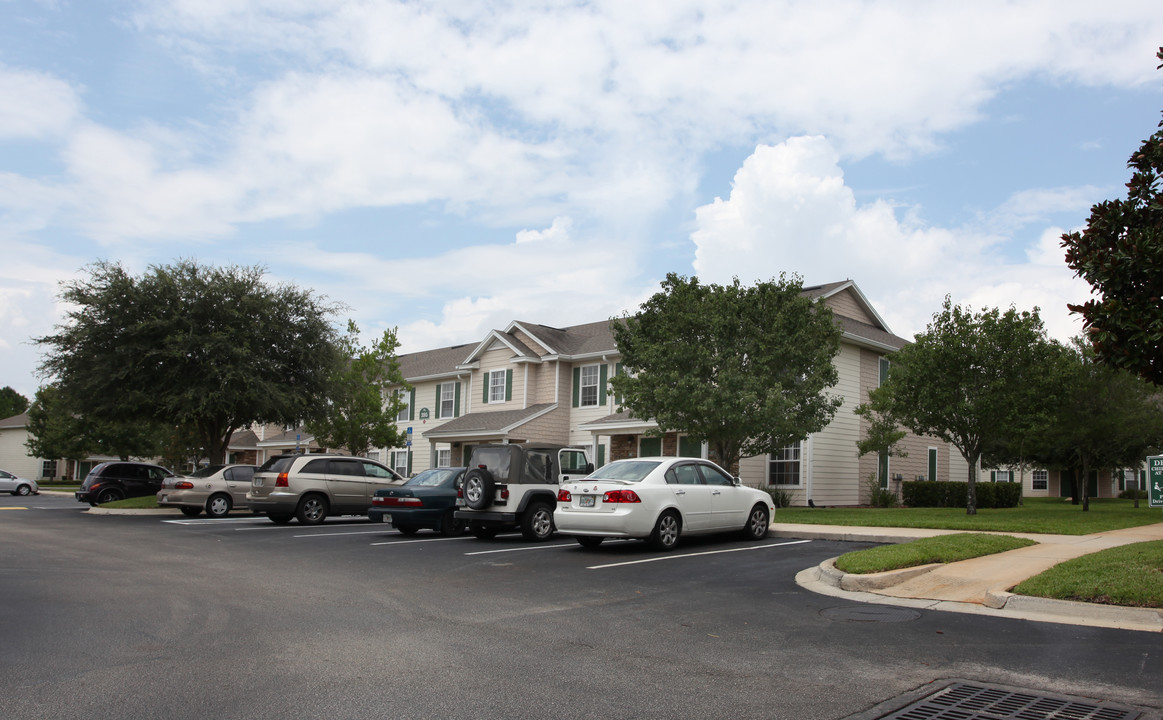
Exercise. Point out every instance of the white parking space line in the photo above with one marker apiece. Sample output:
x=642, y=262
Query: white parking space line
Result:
x=422, y=540
x=354, y=532
x=687, y=555
x=518, y=549
x=216, y=521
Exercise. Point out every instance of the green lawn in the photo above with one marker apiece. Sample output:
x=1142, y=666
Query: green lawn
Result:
x=1036, y=515
x=941, y=549
x=145, y=502
x=1129, y=575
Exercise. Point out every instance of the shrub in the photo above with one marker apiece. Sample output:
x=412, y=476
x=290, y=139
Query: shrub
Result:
x=881, y=497
x=780, y=497
x=1129, y=494
x=929, y=493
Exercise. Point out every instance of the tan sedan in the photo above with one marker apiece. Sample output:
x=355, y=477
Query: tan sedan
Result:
x=216, y=489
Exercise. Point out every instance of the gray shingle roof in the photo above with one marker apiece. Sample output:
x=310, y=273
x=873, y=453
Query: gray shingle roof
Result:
x=488, y=422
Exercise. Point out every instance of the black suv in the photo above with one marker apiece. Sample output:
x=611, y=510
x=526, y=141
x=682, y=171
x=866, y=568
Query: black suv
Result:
x=112, y=481
x=515, y=486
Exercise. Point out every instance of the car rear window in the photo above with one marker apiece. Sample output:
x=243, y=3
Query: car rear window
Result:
x=496, y=459
x=206, y=471
x=278, y=464
x=632, y=470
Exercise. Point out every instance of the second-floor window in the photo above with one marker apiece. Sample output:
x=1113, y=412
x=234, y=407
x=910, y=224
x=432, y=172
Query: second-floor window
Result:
x=447, y=400
x=589, y=386
x=497, y=386
x=405, y=412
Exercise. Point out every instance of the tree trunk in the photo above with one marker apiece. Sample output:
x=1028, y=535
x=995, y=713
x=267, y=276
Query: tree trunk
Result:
x=971, y=486
x=1085, y=482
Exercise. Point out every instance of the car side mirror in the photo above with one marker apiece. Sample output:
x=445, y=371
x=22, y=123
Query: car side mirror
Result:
x=736, y=481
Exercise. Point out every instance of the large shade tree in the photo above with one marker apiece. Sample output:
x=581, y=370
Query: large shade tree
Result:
x=209, y=349
x=56, y=429
x=743, y=368
x=11, y=402
x=360, y=413
x=1120, y=253
x=969, y=379
x=1101, y=418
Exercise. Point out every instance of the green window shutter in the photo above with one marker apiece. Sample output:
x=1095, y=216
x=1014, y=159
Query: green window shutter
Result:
x=437, y=413
x=576, y=386
x=412, y=405
x=456, y=400
x=488, y=380
x=618, y=371
x=508, y=385
x=993, y=475
x=601, y=455
x=602, y=395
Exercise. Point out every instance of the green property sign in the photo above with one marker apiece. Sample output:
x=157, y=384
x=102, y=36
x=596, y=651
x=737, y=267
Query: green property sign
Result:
x=1155, y=481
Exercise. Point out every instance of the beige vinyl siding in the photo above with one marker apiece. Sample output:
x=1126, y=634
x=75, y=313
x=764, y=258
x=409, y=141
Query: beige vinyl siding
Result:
x=831, y=453
x=497, y=358
x=845, y=303
x=15, y=458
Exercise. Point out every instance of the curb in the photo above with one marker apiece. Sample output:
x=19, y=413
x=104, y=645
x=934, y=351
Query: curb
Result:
x=132, y=511
x=827, y=580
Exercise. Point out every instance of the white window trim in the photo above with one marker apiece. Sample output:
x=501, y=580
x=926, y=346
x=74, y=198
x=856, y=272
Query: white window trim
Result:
x=404, y=413
x=494, y=387
x=799, y=461
x=597, y=375
x=447, y=394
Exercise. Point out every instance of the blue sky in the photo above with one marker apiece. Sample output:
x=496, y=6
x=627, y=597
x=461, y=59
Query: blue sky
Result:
x=446, y=167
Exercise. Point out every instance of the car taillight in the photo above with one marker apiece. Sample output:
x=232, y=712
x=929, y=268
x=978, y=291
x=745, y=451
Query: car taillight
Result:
x=281, y=481
x=387, y=501
x=504, y=493
x=184, y=485
x=621, y=496
x=564, y=496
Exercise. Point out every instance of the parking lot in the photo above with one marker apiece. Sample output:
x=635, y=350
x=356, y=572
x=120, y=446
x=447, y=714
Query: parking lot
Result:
x=149, y=616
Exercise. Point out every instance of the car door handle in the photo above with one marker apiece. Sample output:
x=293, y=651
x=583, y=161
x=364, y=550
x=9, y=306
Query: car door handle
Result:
x=680, y=492
x=716, y=492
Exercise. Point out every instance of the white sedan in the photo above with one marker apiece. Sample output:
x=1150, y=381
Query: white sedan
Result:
x=659, y=499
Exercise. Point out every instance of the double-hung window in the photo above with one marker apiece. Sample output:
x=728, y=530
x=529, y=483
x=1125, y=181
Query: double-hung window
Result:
x=400, y=462
x=1040, y=480
x=497, y=386
x=405, y=413
x=783, y=467
x=590, y=376
x=447, y=400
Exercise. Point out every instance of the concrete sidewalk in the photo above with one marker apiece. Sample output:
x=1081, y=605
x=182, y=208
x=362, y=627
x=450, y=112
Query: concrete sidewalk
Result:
x=980, y=585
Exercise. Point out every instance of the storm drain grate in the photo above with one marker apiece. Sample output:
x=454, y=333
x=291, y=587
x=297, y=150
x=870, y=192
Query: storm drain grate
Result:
x=964, y=701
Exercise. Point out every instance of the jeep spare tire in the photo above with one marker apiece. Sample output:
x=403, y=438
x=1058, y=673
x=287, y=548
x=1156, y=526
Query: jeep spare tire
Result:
x=478, y=488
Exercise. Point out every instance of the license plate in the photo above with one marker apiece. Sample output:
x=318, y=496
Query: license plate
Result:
x=586, y=501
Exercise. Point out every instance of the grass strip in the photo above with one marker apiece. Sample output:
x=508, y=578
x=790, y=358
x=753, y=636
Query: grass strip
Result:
x=940, y=549
x=1130, y=575
x=1037, y=515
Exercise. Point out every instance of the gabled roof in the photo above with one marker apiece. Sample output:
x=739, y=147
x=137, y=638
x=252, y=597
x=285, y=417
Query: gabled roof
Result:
x=16, y=421
x=433, y=363
x=823, y=292
x=520, y=350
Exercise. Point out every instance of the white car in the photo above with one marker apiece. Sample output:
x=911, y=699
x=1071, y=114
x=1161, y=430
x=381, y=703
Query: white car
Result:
x=658, y=500
x=9, y=483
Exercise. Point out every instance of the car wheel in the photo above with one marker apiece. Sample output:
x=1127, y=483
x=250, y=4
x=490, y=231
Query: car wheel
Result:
x=757, y=524
x=587, y=541
x=449, y=525
x=312, y=510
x=109, y=495
x=407, y=529
x=666, y=531
x=484, y=533
x=218, y=506
x=23, y=490
x=537, y=522
x=190, y=511
x=280, y=518
x=479, y=488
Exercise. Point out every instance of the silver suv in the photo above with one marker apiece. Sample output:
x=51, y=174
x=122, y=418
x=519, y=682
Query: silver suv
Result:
x=311, y=487
x=515, y=486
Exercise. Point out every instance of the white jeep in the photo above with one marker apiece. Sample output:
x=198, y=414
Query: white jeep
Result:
x=515, y=486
